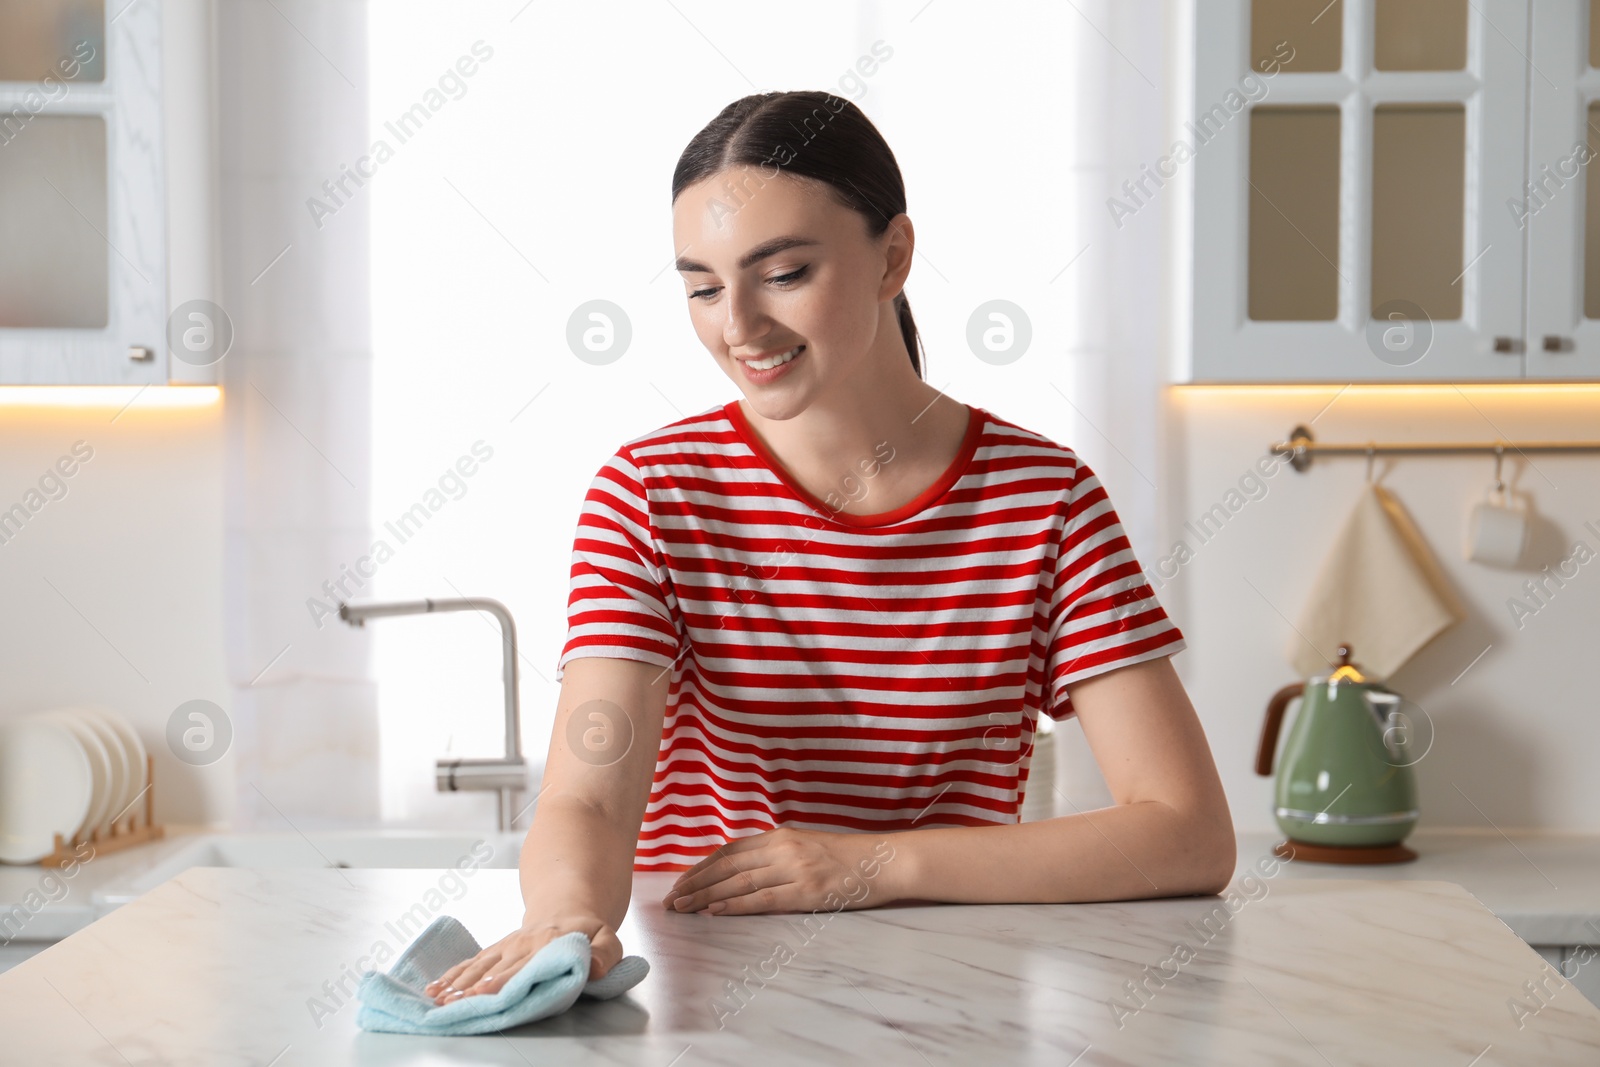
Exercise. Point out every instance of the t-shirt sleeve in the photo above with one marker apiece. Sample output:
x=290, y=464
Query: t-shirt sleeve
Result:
x=1103, y=614
x=620, y=604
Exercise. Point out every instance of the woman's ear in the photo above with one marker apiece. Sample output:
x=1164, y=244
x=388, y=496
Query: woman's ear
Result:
x=900, y=241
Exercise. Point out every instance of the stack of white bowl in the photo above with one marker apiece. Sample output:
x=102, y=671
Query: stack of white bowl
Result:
x=69, y=771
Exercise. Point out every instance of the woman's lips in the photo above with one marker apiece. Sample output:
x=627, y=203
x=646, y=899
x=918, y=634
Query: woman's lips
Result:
x=762, y=377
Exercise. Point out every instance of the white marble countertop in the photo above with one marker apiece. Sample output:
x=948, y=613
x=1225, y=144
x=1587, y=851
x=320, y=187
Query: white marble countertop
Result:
x=41, y=904
x=46, y=904
x=235, y=966
x=1545, y=886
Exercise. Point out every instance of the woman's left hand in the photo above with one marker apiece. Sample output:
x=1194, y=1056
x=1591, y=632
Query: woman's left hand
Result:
x=788, y=870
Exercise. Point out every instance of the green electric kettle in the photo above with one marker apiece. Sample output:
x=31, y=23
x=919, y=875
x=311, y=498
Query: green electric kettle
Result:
x=1344, y=781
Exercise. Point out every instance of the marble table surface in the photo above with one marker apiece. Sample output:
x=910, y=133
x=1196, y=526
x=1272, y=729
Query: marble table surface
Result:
x=1544, y=885
x=224, y=966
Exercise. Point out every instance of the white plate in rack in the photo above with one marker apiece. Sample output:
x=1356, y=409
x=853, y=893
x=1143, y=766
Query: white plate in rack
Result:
x=140, y=770
x=121, y=790
x=99, y=765
x=46, y=787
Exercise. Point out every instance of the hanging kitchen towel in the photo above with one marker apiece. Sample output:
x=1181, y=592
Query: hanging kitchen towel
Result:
x=1380, y=589
x=547, y=984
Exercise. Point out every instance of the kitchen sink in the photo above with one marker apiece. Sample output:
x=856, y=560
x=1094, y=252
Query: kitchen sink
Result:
x=325, y=848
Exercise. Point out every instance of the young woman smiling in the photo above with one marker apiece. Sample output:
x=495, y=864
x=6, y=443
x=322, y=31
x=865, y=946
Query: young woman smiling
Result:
x=792, y=696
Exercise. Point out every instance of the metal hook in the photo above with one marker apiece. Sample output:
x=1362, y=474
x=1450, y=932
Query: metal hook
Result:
x=1371, y=451
x=1499, y=454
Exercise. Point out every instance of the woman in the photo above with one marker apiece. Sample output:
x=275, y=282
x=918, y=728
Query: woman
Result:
x=811, y=630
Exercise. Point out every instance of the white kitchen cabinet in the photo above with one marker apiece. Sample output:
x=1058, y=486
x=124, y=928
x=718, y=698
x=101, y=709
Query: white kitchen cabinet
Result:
x=1357, y=167
x=1562, y=209
x=83, y=236
x=1578, y=964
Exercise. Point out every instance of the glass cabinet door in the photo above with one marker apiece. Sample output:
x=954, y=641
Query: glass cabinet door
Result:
x=1350, y=166
x=54, y=262
x=1558, y=205
x=82, y=212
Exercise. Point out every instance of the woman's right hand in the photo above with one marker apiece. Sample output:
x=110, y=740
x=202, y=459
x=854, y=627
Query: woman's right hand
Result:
x=490, y=969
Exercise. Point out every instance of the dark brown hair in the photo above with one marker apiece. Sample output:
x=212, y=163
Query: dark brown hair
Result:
x=815, y=135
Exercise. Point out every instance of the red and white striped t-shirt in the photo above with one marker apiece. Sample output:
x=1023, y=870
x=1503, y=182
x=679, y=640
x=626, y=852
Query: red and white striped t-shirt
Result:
x=846, y=672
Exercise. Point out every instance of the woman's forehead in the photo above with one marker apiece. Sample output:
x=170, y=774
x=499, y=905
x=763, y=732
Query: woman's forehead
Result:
x=733, y=216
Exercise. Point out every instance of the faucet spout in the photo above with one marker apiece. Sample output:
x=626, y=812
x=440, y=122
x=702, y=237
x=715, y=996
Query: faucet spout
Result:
x=508, y=774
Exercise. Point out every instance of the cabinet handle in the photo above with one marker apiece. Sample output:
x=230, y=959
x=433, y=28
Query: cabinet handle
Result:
x=1507, y=344
x=1555, y=343
x=141, y=354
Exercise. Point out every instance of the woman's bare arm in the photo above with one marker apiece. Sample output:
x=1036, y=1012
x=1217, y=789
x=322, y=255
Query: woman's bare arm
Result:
x=597, y=778
x=1169, y=834
x=577, y=858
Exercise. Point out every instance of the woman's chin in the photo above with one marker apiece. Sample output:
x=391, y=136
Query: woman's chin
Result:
x=775, y=408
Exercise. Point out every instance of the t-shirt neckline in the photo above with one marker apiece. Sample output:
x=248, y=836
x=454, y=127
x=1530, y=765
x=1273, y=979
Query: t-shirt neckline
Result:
x=976, y=418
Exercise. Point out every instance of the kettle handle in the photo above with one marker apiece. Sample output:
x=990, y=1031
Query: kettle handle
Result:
x=1274, y=722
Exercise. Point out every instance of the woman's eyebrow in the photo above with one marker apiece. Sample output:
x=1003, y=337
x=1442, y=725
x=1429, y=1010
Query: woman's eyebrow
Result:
x=755, y=255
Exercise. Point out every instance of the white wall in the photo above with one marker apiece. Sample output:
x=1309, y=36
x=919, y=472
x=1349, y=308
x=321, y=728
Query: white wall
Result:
x=1515, y=736
x=114, y=590
x=496, y=221
x=299, y=476
x=137, y=544
x=184, y=550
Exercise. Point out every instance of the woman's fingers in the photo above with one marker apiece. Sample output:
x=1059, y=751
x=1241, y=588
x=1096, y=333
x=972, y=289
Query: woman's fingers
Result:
x=458, y=981
x=497, y=975
x=448, y=976
x=491, y=968
x=719, y=866
x=781, y=870
x=605, y=952
x=444, y=981
x=750, y=885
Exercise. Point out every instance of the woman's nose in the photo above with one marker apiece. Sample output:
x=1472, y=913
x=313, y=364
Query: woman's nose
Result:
x=744, y=320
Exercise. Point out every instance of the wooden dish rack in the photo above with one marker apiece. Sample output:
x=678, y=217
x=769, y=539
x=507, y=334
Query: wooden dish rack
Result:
x=127, y=831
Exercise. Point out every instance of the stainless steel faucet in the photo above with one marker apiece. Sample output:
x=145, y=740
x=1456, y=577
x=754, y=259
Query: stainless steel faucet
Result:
x=508, y=774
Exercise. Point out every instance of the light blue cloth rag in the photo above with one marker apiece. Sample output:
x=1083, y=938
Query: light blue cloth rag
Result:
x=547, y=984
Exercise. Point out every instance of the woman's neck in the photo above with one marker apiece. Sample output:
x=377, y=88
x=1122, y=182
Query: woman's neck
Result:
x=874, y=451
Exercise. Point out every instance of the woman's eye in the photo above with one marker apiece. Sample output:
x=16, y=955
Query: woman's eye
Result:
x=782, y=280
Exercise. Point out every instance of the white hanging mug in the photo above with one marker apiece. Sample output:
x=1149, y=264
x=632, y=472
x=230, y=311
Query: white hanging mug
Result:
x=1497, y=532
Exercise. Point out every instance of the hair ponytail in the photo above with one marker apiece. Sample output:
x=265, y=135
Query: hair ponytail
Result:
x=908, y=330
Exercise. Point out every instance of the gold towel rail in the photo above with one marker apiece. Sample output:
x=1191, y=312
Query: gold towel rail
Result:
x=1300, y=447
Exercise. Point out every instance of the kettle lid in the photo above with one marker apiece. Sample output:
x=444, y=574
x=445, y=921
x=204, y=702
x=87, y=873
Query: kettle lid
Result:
x=1343, y=670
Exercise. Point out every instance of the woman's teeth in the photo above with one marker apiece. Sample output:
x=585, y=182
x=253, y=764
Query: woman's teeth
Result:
x=778, y=360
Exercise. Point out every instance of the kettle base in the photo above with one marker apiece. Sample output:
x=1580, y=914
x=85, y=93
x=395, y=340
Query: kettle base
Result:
x=1290, y=849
